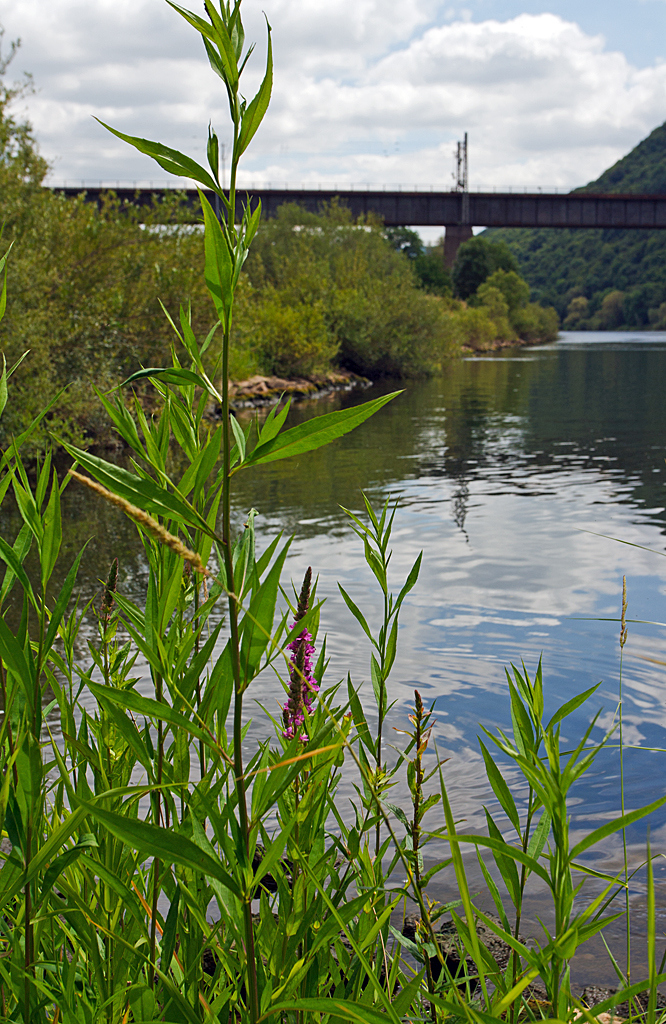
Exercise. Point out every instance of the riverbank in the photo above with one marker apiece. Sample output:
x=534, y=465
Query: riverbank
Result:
x=260, y=390
x=265, y=390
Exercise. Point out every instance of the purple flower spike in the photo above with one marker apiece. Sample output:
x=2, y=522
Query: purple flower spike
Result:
x=303, y=685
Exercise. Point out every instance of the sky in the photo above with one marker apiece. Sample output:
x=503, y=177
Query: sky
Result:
x=551, y=92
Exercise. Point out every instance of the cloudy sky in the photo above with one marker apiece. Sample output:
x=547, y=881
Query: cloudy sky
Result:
x=551, y=91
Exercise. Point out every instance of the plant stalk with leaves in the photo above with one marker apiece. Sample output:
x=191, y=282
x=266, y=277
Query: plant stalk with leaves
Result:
x=376, y=537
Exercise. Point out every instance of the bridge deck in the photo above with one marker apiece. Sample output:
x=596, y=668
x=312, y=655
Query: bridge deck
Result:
x=438, y=209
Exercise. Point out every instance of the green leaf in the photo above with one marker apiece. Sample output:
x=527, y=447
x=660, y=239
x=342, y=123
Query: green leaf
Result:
x=505, y=849
x=315, y=433
x=625, y=994
x=614, y=826
x=164, y=843
x=401, y=816
x=539, y=836
x=45, y=854
x=391, y=648
x=3, y=294
x=357, y=613
x=360, y=722
x=255, y=111
x=14, y=658
x=257, y=623
x=274, y=422
x=52, y=537
x=410, y=582
x=169, y=375
x=15, y=570
x=143, y=492
x=344, y=1008
x=500, y=788
x=3, y=384
x=239, y=437
x=64, y=860
x=506, y=865
x=219, y=262
x=133, y=701
x=62, y=600
x=170, y=932
x=171, y=160
x=204, y=27
x=571, y=706
x=404, y=999
x=122, y=421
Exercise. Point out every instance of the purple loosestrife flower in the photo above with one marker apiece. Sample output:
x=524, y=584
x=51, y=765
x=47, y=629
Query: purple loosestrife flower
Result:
x=303, y=685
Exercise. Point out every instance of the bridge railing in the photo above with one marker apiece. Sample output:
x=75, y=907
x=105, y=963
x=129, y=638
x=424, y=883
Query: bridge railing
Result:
x=300, y=186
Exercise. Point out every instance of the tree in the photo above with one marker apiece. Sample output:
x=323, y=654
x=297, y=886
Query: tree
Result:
x=577, y=312
x=22, y=169
x=611, y=314
x=406, y=240
x=432, y=274
x=428, y=264
x=515, y=290
x=477, y=259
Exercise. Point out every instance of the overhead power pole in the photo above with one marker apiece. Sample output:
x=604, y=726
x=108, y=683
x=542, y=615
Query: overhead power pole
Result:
x=456, y=234
x=462, y=167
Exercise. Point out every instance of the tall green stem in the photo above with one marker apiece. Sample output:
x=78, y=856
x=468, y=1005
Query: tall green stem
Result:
x=623, y=640
x=241, y=792
x=156, y=863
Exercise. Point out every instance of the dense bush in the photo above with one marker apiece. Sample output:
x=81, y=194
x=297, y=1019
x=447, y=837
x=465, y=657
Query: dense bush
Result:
x=87, y=286
x=360, y=292
x=500, y=307
x=477, y=259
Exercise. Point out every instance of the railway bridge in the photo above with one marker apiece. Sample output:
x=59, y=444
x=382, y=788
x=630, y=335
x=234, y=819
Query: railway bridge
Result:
x=455, y=211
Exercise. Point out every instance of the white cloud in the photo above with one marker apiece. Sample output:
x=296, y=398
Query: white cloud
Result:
x=364, y=91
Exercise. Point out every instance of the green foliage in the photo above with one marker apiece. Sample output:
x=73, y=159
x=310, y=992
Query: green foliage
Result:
x=476, y=260
x=499, y=306
x=91, y=310
x=516, y=292
x=640, y=171
x=126, y=825
x=428, y=262
x=323, y=286
x=492, y=299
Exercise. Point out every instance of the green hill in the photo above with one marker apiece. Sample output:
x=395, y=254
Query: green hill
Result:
x=602, y=278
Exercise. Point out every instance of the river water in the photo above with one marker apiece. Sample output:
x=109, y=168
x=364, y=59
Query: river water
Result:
x=506, y=470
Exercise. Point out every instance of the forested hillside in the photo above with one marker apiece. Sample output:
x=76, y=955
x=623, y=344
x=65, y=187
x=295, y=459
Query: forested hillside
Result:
x=602, y=278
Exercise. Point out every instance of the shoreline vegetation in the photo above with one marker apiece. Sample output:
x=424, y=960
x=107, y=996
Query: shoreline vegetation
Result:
x=144, y=833
x=317, y=295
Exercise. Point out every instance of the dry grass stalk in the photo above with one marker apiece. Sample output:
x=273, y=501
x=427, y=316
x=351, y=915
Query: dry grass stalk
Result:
x=145, y=520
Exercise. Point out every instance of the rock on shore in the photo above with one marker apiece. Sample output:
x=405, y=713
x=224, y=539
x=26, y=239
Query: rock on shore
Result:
x=260, y=390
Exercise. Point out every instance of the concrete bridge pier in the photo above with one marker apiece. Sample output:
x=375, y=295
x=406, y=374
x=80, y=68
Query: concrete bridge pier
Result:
x=454, y=236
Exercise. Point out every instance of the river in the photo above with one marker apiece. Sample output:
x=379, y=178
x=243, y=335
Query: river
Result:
x=506, y=470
